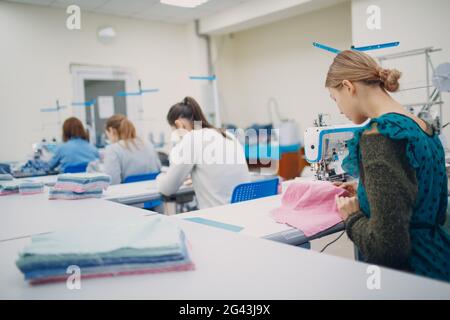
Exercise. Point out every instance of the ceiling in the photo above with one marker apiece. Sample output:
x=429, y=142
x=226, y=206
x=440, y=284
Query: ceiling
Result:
x=142, y=9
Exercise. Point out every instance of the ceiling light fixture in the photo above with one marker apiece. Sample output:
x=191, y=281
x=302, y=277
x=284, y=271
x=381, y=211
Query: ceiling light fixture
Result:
x=184, y=3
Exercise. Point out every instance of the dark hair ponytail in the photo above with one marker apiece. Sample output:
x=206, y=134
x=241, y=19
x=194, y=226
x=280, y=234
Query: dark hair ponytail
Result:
x=189, y=109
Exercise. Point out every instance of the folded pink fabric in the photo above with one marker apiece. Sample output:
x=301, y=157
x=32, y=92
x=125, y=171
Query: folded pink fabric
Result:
x=77, y=188
x=186, y=267
x=309, y=206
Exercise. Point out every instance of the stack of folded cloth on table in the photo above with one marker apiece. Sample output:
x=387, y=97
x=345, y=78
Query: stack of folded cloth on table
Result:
x=30, y=187
x=6, y=177
x=8, y=187
x=131, y=246
x=72, y=186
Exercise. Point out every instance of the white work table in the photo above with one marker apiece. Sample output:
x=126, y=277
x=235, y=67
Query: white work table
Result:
x=130, y=194
x=139, y=192
x=231, y=266
x=255, y=220
x=22, y=216
x=133, y=194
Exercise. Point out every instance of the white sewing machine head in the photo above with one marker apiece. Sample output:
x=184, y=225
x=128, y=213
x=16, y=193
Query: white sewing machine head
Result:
x=326, y=147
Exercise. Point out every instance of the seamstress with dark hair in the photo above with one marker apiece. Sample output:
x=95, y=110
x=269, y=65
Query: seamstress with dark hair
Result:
x=214, y=159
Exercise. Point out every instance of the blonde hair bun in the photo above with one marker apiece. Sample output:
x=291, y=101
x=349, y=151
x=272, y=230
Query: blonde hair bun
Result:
x=390, y=79
x=357, y=66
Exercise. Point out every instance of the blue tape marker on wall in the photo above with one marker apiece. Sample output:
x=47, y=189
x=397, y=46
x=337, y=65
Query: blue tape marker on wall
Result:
x=128, y=94
x=52, y=109
x=208, y=78
x=365, y=48
x=84, y=104
x=327, y=48
x=216, y=224
x=149, y=90
x=377, y=46
x=140, y=93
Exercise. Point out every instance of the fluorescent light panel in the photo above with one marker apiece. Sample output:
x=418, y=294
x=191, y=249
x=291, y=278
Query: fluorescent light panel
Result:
x=184, y=3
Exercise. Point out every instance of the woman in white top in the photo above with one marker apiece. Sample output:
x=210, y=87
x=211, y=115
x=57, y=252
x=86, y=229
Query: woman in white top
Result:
x=127, y=155
x=214, y=159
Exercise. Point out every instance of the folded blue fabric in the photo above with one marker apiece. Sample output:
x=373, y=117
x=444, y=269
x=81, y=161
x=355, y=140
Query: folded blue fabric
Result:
x=45, y=274
x=84, y=178
x=125, y=243
x=47, y=262
x=9, y=186
x=6, y=177
x=104, y=265
x=35, y=167
x=128, y=231
x=30, y=187
x=64, y=194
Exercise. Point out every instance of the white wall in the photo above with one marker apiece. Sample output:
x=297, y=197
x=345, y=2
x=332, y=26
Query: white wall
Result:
x=278, y=60
x=36, y=50
x=249, y=14
x=416, y=24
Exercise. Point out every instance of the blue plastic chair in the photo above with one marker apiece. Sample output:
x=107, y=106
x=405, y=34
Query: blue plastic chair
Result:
x=255, y=190
x=141, y=177
x=76, y=168
x=145, y=177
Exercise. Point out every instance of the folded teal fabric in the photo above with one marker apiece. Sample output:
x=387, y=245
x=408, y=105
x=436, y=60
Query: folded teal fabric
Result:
x=30, y=187
x=129, y=232
x=84, y=178
x=45, y=261
x=6, y=177
x=105, y=265
x=47, y=275
x=74, y=186
x=9, y=187
x=70, y=195
x=123, y=246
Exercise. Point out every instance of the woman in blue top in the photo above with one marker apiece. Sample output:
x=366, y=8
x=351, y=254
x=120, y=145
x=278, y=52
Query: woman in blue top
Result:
x=76, y=149
x=395, y=215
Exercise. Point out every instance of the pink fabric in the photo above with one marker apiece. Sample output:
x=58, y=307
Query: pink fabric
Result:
x=310, y=207
x=6, y=193
x=30, y=193
x=186, y=267
x=77, y=188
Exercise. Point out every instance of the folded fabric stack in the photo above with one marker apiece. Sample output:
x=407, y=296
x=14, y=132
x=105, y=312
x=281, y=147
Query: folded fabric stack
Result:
x=6, y=177
x=131, y=246
x=23, y=187
x=72, y=186
x=30, y=187
x=9, y=187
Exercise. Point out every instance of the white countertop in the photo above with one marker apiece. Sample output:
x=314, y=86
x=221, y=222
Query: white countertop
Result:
x=28, y=215
x=253, y=216
x=232, y=266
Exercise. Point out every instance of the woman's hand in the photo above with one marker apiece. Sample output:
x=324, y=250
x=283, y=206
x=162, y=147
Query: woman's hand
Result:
x=351, y=187
x=347, y=206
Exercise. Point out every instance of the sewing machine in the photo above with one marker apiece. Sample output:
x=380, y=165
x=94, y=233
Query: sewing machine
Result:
x=44, y=150
x=325, y=148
